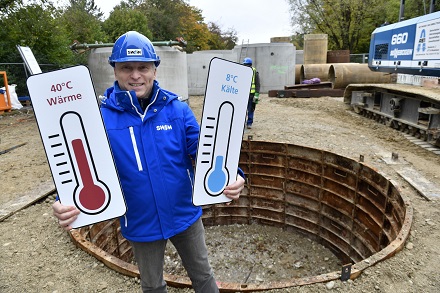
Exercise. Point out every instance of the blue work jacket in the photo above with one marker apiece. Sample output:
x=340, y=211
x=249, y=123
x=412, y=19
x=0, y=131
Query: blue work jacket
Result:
x=153, y=152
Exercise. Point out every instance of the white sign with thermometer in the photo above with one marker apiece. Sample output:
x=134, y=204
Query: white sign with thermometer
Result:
x=76, y=144
x=221, y=130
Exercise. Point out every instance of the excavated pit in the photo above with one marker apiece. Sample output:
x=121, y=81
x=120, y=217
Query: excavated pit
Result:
x=344, y=205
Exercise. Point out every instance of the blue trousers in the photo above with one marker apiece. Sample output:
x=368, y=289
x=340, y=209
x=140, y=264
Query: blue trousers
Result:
x=191, y=247
x=250, y=110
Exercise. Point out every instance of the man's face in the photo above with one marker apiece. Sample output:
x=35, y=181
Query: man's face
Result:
x=136, y=76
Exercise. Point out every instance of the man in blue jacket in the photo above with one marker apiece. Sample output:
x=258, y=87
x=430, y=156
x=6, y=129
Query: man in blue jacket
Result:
x=154, y=140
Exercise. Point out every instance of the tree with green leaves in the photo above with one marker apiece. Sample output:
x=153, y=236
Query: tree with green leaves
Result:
x=35, y=26
x=164, y=17
x=82, y=20
x=348, y=23
x=7, y=5
x=123, y=19
x=414, y=8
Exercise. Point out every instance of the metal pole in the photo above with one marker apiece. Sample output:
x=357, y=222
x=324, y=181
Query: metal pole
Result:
x=431, y=7
x=402, y=10
x=78, y=46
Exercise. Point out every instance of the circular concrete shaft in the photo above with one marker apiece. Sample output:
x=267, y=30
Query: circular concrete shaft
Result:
x=348, y=207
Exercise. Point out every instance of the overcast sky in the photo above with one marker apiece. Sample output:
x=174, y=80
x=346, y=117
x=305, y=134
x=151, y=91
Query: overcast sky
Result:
x=255, y=21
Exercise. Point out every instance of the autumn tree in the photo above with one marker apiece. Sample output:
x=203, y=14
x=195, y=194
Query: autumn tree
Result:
x=221, y=40
x=348, y=23
x=193, y=29
x=169, y=19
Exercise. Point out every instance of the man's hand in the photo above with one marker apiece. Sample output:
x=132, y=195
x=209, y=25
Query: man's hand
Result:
x=65, y=215
x=233, y=190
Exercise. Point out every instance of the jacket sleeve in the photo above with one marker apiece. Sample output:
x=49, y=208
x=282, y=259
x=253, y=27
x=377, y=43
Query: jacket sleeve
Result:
x=192, y=129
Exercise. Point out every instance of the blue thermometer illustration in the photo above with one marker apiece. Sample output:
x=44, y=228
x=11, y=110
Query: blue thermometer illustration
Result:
x=217, y=176
x=221, y=133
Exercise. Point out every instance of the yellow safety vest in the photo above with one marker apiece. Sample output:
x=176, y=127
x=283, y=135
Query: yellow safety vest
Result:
x=253, y=80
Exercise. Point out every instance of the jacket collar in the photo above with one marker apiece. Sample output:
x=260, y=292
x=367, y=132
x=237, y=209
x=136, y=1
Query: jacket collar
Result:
x=122, y=100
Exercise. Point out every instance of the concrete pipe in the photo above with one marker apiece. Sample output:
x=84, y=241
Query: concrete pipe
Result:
x=298, y=73
x=343, y=74
x=309, y=71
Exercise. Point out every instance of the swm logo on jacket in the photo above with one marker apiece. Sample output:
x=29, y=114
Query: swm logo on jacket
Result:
x=163, y=127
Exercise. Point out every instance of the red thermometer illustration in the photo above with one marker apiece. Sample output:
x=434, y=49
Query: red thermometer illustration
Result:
x=91, y=195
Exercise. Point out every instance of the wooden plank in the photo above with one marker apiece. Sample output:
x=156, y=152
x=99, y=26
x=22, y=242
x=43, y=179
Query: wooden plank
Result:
x=426, y=188
x=285, y=93
x=313, y=93
x=27, y=199
x=12, y=148
x=290, y=90
x=310, y=93
x=272, y=93
x=326, y=84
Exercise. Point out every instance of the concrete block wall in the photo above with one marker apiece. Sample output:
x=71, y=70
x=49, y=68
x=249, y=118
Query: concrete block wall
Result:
x=186, y=74
x=275, y=63
x=198, y=65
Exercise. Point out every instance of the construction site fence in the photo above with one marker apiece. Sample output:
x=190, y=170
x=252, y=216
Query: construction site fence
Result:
x=17, y=74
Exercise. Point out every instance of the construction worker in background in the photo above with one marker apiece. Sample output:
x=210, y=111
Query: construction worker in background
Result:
x=254, y=94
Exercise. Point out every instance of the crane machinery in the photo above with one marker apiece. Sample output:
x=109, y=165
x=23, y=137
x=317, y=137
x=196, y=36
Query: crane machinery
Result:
x=411, y=50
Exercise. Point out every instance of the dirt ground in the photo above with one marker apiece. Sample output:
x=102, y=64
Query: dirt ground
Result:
x=37, y=256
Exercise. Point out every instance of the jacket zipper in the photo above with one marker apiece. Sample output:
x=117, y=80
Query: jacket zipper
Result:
x=133, y=141
x=190, y=180
x=132, y=104
x=154, y=100
x=135, y=148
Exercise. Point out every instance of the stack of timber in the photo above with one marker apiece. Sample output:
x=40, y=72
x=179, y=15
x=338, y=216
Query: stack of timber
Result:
x=322, y=89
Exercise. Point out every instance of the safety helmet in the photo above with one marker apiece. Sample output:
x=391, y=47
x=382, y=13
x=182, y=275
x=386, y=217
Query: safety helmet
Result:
x=133, y=46
x=247, y=60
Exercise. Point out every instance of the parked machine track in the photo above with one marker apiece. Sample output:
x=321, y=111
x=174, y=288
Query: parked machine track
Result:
x=413, y=110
